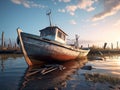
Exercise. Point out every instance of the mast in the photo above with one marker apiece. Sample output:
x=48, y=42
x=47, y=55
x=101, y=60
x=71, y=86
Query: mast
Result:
x=49, y=15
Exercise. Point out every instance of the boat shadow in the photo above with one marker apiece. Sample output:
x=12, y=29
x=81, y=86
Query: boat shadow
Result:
x=49, y=76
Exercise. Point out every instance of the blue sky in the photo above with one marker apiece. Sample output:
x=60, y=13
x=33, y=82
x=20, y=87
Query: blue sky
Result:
x=92, y=20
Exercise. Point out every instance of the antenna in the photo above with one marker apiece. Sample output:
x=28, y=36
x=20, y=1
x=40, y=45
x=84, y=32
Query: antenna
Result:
x=48, y=13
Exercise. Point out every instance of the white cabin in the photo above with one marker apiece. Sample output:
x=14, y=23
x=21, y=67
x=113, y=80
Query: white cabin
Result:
x=53, y=33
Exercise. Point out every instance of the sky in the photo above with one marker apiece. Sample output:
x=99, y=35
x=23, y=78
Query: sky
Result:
x=93, y=20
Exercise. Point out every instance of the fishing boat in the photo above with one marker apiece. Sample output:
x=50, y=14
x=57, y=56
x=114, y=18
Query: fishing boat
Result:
x=49, y=46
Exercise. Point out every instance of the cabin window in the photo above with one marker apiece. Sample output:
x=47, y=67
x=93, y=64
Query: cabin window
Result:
x=47, y=32
x=61, y=35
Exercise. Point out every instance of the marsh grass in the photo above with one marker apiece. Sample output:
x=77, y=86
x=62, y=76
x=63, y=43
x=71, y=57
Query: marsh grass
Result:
x=102, y=78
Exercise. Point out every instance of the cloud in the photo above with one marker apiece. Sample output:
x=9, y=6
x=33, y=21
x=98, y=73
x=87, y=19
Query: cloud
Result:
x=64, y=1
x=94, y=24
x=90, y=9
x=111, y=7
x=54, y=2
x=71, y=9
x=16, y=1
x=86, y=4
x=82, y=4
x=61, y=10
x=73, y=22
x=117, y=23
x=28, y=4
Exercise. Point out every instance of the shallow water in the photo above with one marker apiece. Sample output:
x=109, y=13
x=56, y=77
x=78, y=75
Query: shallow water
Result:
x=16, y=75
x=110, y=65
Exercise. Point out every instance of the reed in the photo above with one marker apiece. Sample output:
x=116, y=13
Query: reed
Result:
x=102, y=78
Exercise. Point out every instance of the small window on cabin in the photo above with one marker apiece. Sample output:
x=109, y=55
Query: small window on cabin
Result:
x=59, y=34
x=52, y=32
x=63, y=37
x=43, y=34
x=47, y=32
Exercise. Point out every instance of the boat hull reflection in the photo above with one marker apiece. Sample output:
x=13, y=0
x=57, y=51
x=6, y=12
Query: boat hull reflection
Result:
x=35, y=77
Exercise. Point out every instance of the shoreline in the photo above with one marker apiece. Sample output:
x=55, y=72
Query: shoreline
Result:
x=100, y=51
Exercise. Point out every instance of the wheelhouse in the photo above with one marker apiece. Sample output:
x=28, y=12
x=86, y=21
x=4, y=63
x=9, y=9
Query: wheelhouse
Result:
x=53, y=33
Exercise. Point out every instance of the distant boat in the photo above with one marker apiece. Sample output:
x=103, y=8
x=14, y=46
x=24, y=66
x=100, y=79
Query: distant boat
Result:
x=49, y=46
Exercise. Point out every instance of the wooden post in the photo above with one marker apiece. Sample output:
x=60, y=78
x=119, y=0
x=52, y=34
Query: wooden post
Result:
x=77, y=41
x=105, y=44
x=15, y=45
x=10, y=43
x=117, y=45
x=111, y=45
x=88, y=46
x=2, y=40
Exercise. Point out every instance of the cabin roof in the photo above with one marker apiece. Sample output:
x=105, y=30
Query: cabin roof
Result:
x=53, y=28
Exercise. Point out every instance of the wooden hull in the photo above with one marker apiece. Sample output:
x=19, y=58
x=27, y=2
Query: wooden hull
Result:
x=36, y=49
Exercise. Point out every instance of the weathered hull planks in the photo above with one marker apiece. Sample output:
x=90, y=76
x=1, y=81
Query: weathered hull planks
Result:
x=45, y=49
x=38, y=49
